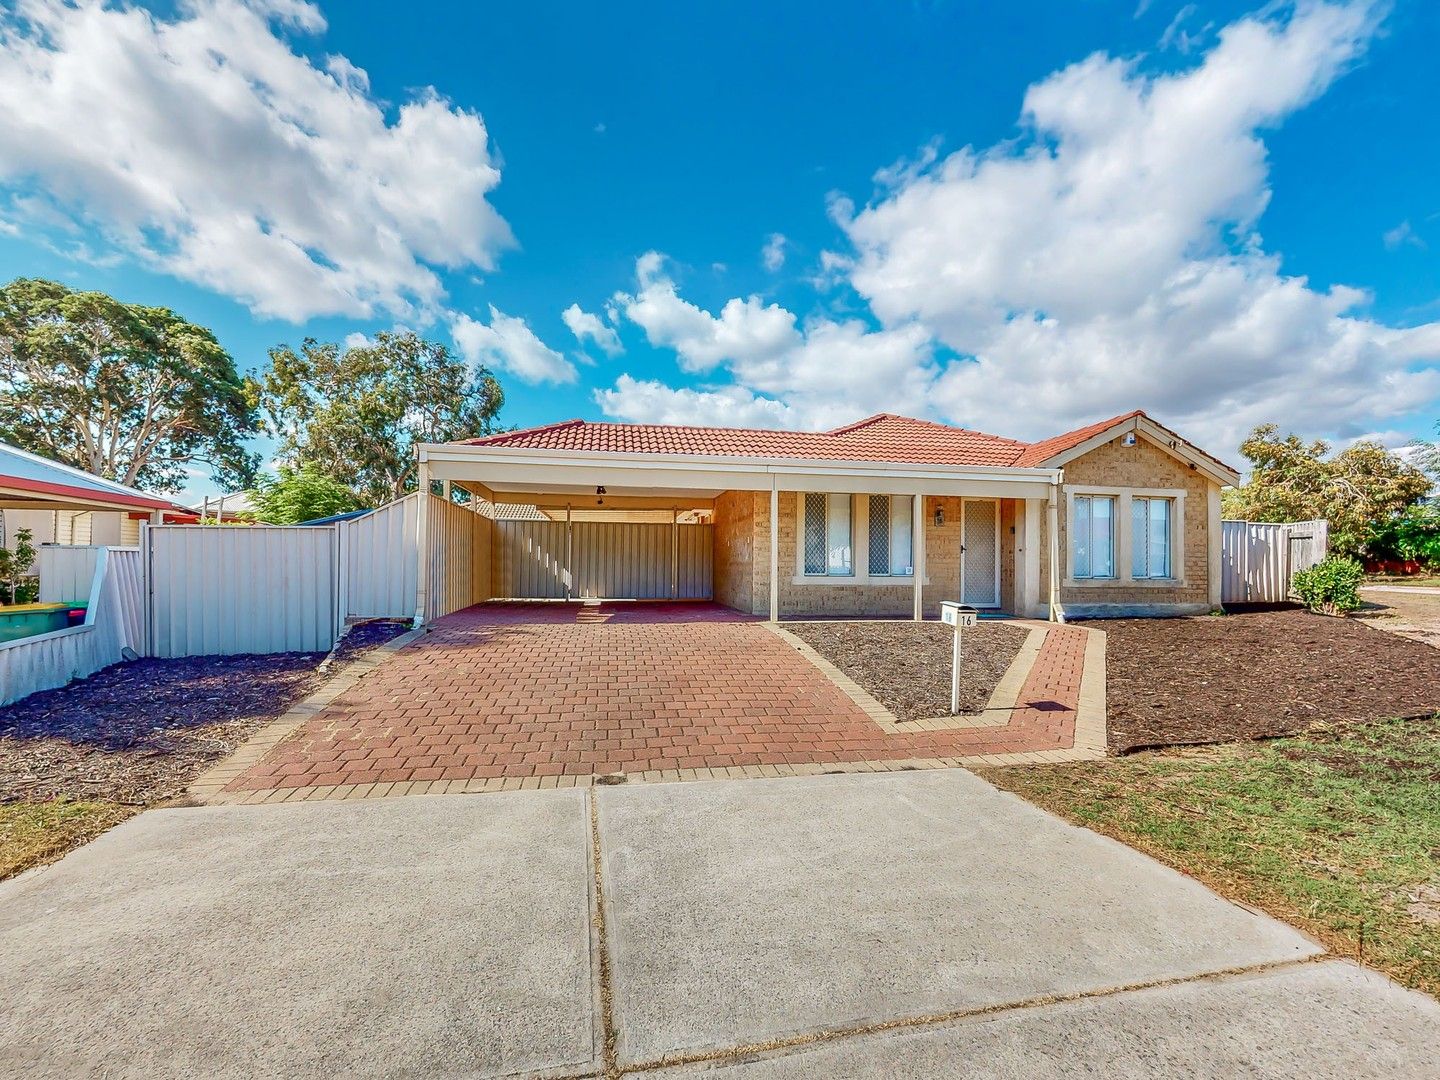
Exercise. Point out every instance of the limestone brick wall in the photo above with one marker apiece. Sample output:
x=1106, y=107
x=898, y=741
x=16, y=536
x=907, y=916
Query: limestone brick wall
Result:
x=838, y=597
x=736, y=544
x=1140, y=466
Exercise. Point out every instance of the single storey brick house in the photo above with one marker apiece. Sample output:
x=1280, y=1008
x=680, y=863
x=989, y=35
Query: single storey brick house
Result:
x=884, y=517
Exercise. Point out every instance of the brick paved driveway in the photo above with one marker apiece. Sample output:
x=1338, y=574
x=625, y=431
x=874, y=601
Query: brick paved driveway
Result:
x=536, y=691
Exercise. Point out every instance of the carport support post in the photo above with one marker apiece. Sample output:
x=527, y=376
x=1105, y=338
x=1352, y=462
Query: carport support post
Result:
x=422, y=538
x=774, y=550
x=917, y=556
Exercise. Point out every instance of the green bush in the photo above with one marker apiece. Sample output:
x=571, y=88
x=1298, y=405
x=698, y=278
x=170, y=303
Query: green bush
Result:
x=1414, y=536
x=1331, y=586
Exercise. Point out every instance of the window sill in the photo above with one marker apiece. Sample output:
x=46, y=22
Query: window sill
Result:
x=1123, y=583
x=907, y=582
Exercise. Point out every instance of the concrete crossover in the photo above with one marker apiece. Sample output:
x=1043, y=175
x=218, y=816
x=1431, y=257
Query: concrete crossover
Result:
x=909, y=925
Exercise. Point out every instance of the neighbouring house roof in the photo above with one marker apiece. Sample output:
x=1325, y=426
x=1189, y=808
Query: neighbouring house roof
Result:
x=29, y=481
x=884, y=437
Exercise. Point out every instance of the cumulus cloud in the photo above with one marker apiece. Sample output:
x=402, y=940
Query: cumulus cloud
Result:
x=508, y=344
x=726, y=406
x=825, y=371
x=587, y=326
x=772, y=255
x=206, y=146
x=1109, y=259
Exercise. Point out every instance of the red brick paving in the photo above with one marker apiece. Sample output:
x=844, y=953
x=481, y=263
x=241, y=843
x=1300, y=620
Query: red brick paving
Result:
x=519, y=690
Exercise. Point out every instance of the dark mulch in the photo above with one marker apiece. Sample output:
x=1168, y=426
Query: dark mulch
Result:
x=1257, y=674
x=906, y=665
x=140, y=732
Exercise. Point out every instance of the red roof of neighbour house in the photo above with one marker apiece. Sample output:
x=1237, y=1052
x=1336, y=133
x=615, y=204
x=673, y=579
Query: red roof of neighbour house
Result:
x=884, y=437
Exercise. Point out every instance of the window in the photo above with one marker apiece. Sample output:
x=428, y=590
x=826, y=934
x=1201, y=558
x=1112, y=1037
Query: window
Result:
x=1094, y=536
x=891, y=524
x=1150, y=538
x=827, y=535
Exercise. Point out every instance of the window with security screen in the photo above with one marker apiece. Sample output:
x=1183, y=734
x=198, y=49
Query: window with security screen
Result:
x=827, y=535
x=890, y=536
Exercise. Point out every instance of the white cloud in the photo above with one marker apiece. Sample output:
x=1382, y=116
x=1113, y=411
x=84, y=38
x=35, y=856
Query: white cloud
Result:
x=205, y=146
x=1105, y=260
x=587, y=326
x=773, y=253
x=826, y=371
x=508, y=344
x=656, y=403
x=1400, y=236
x=1108, y=260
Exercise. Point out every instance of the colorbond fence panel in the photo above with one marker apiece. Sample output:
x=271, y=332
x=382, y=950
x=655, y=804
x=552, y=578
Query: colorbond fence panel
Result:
x=380, y=561
x=257, y=589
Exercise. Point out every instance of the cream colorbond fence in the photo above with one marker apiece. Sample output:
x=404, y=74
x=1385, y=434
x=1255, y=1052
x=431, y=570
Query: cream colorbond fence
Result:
x=218, y=590
x=459, y=542
x=379, y=559
x=1258, y=560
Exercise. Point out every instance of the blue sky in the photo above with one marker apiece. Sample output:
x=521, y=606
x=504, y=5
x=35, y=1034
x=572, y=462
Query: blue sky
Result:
x=1019, y=219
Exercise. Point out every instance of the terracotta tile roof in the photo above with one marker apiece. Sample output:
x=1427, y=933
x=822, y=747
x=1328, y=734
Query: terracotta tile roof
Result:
x=1037, y=453
x=884, y=437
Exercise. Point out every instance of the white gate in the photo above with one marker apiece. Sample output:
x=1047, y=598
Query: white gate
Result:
x=615, y=560
x=218, y=590
x=1259, y=559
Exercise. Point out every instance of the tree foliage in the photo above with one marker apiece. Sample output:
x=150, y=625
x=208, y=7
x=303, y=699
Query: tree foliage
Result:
x=1414, y=536
x=356, y=413
x=17, y=584
x=1358, y=490
x=128, y=392
x=297, y=495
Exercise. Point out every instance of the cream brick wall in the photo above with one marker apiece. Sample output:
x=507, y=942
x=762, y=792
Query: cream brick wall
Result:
x=742, y=570
x=735, y=549
x=1140, y=466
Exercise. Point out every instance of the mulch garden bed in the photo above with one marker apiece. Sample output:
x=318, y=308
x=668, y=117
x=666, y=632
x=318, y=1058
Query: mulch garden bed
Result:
x=906, y=665
x=139, y=732
x=1257, y=674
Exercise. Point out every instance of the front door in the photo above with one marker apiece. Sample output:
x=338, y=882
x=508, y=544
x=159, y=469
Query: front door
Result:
x=980, y=552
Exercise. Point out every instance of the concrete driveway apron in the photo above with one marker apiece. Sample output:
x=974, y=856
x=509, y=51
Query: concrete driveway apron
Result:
x=905, y=924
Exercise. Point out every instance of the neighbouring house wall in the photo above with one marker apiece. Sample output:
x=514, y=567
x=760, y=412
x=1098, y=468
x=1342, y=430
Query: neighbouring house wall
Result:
x=735, y=549
x=1142, y=466
x=41, y=524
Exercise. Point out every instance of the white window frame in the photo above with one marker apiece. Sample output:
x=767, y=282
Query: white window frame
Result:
x=1124, y=526
x=1114, y=538
x=890, y=575
x=1144, y=542
x=859, y=547
x=802, y=521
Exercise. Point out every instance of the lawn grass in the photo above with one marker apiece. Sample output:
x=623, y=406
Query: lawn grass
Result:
x=32, y=833
x=1336, y=832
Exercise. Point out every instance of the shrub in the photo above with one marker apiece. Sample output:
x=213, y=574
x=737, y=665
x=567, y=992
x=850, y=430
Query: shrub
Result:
x=1331, y=586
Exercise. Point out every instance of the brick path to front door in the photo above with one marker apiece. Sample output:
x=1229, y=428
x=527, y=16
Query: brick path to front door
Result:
x=505, y=696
